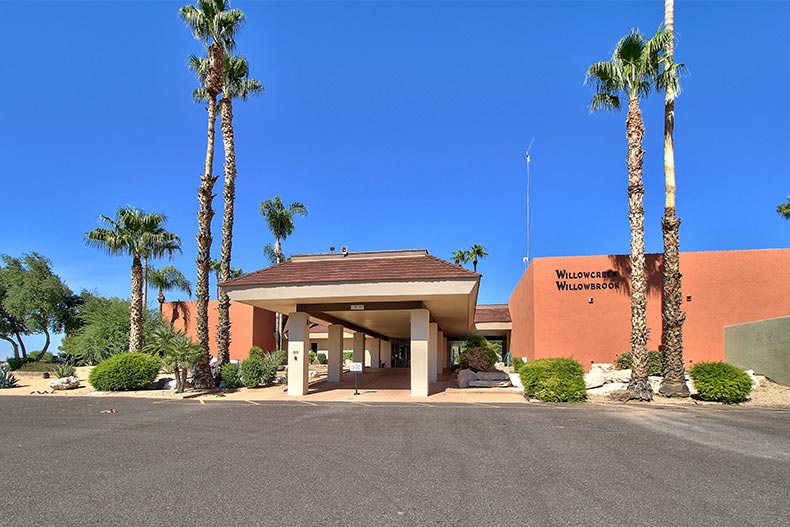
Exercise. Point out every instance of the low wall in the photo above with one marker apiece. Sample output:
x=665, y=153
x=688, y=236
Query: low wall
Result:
x=762, y=346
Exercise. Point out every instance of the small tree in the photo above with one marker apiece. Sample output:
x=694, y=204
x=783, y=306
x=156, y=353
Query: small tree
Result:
x=177, y=350
x=33, y=299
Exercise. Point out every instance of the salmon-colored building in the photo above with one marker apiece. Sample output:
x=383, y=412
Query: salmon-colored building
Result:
x=580, y=307
x=251, y=326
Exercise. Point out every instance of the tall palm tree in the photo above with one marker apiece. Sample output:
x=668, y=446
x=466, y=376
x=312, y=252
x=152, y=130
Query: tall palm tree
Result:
x=237, y=84
x=215, y=24
x=632, y=71
x=674, y=382
x=477, y=252
x=134, y=232
x=168, y=278
x=281, y=223
x=460, y=257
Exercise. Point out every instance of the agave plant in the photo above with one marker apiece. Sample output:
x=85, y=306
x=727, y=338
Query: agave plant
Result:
x=62, y=371
x=7, y=379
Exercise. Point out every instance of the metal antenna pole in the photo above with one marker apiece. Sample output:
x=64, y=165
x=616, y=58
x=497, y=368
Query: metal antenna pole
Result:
x=529, y=209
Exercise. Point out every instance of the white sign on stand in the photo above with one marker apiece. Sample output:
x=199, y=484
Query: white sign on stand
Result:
x=356, y=366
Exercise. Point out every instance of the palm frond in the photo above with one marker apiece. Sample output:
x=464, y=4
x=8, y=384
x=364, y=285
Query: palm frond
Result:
x=605, y=102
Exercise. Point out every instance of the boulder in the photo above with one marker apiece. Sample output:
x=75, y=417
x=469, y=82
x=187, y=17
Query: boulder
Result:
x=618, y=376
x=655, y=382
x=492, y=376
x=607, y=389
x=594, y=378
x=603, y=366
x=65, y=383
x=465, y=377
x=755, y=379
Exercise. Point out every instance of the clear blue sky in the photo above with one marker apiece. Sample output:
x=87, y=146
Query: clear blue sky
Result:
x=399, y=124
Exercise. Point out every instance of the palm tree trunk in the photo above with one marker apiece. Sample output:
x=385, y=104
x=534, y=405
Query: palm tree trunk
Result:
x=639, y=387
x=278, y=317
x=202, y=374
x=674, y=383
x=229, y=195
x=145, y=281
x=136, y=307
x=161, y=298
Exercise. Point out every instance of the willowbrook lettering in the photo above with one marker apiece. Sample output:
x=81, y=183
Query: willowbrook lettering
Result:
x=564, y=275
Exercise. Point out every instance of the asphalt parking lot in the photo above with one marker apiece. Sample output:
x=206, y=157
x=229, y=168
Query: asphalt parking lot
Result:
x=164, y=462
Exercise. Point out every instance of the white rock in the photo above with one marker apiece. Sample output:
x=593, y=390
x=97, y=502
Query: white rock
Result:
x=755, y=379
x=515, y=380
x=604, y=366
x=594, y=378
x=65, y=383
x=606, y=389
x=655, y=382
x=618, y=376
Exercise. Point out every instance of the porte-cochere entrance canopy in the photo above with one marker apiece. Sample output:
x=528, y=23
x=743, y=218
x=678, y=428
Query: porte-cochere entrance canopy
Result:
x=382, y=295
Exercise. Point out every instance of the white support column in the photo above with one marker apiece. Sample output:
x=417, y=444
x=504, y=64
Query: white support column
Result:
x=445, y=356
x=334, y=368
x=433, y=330
x=386, y=353
x=419, y=352
x=359, y=348
x=440, y=351
x=298, y=353
x=374, y=348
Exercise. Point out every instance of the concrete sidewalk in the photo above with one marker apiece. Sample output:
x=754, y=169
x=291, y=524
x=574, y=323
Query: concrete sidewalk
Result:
x=383, y=385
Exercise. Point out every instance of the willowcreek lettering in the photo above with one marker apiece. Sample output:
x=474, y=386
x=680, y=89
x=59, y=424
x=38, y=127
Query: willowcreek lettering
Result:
x=564, y=275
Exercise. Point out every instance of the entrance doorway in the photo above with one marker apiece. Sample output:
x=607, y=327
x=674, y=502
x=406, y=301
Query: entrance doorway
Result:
x=401, y=353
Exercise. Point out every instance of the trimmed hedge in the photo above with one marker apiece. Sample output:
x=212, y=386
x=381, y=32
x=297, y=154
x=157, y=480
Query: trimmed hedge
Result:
x=655, y=362
x=721, y=382
x=231, y=376
x=252, y=371
x=553, y=380
x=125, y=371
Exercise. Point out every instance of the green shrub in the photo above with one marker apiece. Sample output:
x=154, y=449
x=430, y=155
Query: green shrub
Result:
x=125, y=371
x=721, y=382
x=48, y=357
x=255, y=351
x=231, y=375
x=348, y=355
x=554, y=380
x=36, y=367
x=63, y=370
x=15, y=364
x=252, y=371
x=518, y=363
x=7, y=379
x=655, y=362
x=312, y=357
x=323, y=358
x=271, y=361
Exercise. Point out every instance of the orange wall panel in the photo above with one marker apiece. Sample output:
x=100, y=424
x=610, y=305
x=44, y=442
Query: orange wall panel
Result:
x=244, y=321
x=726, y=287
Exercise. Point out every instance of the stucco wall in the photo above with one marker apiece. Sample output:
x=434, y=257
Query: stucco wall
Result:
x=726, y=287
x=762, y=346
x=247, y=328
x=522, y=333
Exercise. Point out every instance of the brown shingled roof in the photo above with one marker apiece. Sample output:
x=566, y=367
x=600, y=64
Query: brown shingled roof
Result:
x=359, y=267
x=492, y=313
